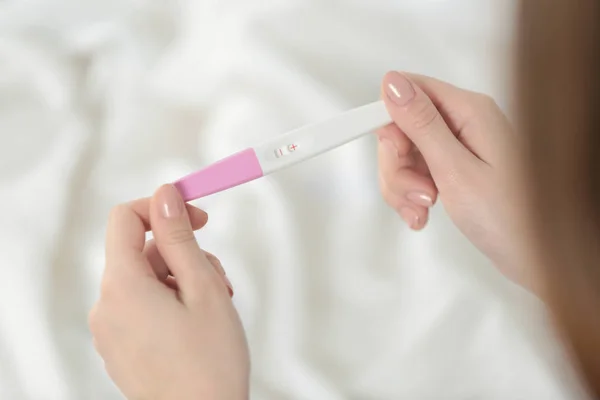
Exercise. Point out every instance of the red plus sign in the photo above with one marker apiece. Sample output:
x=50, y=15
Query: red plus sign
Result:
x=293, y=147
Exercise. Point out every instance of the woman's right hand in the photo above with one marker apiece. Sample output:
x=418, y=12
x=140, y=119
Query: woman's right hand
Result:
x=457, y=145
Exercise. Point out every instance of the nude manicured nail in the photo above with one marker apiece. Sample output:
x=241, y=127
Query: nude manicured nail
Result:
x=399, y=89
x=171, y=204
x=410, y=217
x=420, y=199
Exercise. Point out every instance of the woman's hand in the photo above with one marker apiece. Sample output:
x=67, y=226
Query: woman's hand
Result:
x=165, y=324
x=457, y=145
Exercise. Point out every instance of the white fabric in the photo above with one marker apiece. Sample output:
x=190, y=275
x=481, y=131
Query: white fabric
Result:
x=103, y=100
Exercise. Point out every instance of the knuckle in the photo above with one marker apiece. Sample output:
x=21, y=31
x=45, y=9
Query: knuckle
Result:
x=458, y=180
x=93, y=319
x=108, y=288
x=387, y=174
x=117, y=211
x=180, y=236
x=485, y=102
x=425, y=115
x=210, y=287
x=387, y=194
x=214, y=260
x=383, y=186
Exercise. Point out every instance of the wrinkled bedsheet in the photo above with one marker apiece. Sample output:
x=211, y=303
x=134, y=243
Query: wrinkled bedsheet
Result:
x=101, y=101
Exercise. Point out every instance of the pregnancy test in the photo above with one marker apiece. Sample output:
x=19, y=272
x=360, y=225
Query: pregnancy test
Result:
x=283, y=151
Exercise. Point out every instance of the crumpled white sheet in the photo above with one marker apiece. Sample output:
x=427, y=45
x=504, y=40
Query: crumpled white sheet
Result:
x=103, y=100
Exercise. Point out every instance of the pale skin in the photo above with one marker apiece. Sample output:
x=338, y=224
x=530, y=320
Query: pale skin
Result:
x=457, y=145
x=165, y=324
x=167, y=335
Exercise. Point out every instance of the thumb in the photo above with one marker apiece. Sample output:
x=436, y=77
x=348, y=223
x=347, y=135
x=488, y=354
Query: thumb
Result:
x=416, y=115
x=175, y=240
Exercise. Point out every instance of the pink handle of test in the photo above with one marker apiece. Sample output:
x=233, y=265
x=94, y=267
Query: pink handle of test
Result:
x=229, y=172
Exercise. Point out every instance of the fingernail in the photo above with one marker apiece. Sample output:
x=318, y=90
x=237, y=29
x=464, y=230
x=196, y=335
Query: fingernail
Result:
x=389, y=146
x=171, y=204
x=229, y=285
x=399, y=89
x=410, y=217
x=420, y=199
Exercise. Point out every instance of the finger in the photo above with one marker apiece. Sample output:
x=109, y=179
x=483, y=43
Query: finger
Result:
x=176, y=243
x=127, y=226
x=453, y=103
x=130, y=221
x=412, y=186
x=215, y=263
x=415, y=217
x=405, y=182
x=220, y=270
x=463, y=109
x=397, y=142
x=414, y=213
x=162, y=269
x=125, y=239
x=416, y=115
x=411, y=194
x=152, y=254
x=405, y=175
x=198, y=217
x=171, y=283
x=96, y=328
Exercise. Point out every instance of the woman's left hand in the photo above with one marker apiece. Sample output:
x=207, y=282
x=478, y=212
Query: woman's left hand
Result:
x=165, y=324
